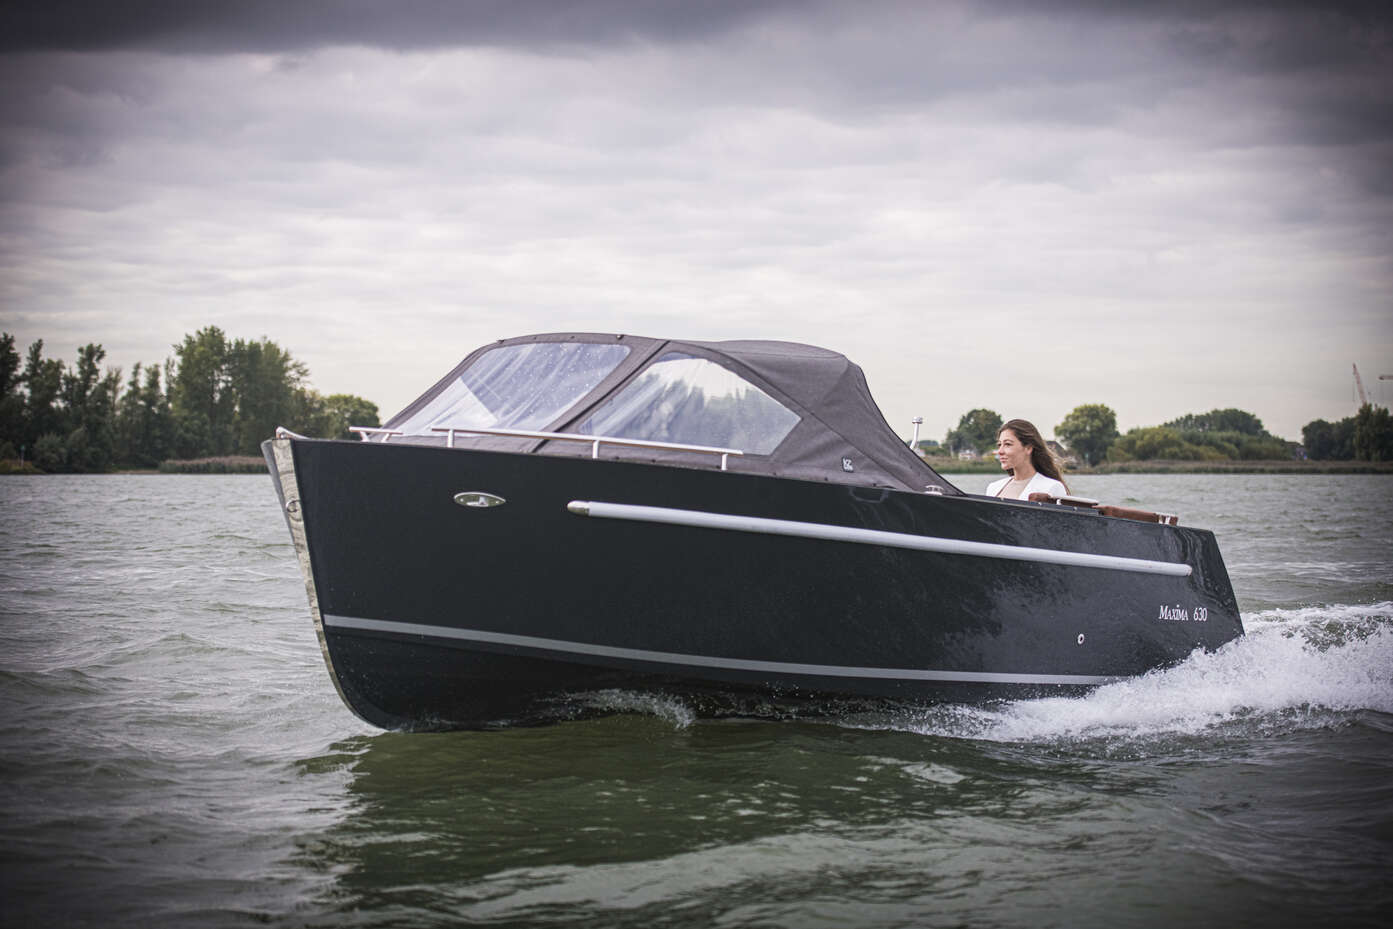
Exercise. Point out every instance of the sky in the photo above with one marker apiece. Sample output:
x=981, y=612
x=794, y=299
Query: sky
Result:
x=1165, y=208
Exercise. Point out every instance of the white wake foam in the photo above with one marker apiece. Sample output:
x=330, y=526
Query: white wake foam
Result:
x=668, y=708
x=1294, y=668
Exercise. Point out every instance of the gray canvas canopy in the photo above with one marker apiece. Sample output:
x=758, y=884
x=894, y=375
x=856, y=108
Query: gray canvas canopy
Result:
x=776, y=408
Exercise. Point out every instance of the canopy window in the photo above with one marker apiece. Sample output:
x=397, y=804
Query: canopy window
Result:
x=690, y=400
x=518, y=387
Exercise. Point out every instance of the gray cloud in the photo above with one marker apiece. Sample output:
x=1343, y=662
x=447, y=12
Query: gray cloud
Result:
x=214, y=26
x=1166, y=210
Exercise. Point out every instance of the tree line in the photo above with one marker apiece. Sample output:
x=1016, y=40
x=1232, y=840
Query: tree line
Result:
x=213, y=397
x=1365, y=436
x=1090, y=432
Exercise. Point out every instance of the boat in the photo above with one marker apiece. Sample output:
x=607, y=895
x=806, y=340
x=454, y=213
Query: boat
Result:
x=731, y=523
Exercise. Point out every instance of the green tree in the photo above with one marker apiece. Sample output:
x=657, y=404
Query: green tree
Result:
x=1089, y=430
x=43, y=381
x=1230, y=420
x=50, y=454
x=264, y=381
x=144, y=423
x=11, y=400
x=79, y=384
x=344, y=410
x=128, y=446
x=1373, y=434
x=976, y=430
x=9, y=365
x=311, y=416
x=1325, y=441
x=89, y=407
x=200, y=395
x=1160, y=442
x=1261, y=447
x=1230, y=433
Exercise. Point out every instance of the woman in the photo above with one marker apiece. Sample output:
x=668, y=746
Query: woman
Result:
x=1024, y=456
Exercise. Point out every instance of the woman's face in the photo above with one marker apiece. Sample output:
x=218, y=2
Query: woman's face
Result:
x=1010, y=452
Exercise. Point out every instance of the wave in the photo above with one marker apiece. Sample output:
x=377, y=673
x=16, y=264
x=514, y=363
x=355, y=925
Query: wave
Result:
x=671, y=709
x=1295, y=668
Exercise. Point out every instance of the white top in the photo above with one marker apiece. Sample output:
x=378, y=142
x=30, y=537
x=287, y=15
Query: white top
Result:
x=1038, y=484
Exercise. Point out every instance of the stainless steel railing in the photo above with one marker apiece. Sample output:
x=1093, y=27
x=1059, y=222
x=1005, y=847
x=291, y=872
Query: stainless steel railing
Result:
x=365, y=433
x=595, y=441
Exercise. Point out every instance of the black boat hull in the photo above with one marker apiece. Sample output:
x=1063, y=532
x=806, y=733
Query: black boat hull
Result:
x=435, y=613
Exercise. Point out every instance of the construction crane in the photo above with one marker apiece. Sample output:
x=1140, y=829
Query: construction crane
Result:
x=1359, y=391
x=1359, y=388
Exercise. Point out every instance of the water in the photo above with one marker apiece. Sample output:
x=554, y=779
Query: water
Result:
x=172, y=753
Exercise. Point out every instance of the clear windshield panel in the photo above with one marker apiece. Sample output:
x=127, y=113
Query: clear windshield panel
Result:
x=689, y=400
x=519, y=386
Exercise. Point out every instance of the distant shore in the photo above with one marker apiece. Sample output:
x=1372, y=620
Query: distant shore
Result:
x=226, y=464
x=1293, y=466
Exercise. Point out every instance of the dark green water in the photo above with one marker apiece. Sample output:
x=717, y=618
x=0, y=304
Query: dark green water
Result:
x=172, y=753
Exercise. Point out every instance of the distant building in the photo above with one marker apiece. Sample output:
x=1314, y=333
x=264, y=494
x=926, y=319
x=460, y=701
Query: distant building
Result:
x=1066, y=457
x=968, y=454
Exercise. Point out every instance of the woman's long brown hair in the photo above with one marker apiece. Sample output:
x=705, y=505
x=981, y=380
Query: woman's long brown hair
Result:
x=1040, y=455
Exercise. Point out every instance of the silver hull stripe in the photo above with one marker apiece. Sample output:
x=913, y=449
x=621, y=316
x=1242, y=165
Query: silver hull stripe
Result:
x=700, y=661
x=703, y=520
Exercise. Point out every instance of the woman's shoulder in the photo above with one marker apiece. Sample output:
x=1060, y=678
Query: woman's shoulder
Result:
x=1049, y=485
x=996, y=485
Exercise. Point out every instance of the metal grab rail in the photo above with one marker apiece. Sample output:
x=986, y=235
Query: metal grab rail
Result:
x=834, y=533
x=365, y=433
